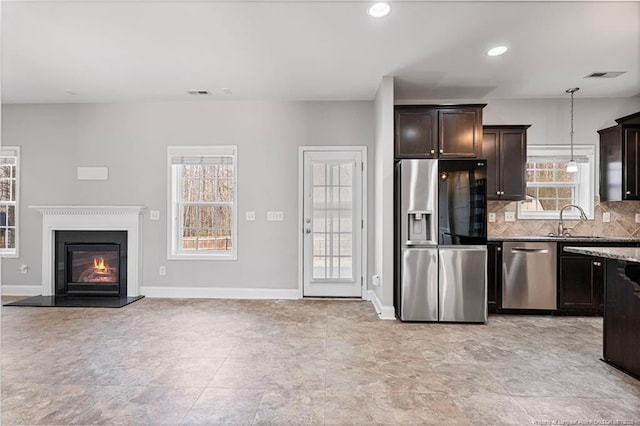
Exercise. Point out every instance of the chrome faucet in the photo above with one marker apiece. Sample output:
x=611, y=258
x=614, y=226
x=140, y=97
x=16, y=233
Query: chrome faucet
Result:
x=561, y=228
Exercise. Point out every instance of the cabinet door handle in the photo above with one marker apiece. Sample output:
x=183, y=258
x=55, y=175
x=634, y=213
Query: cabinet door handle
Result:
x=628, y=192
x=499, y=249
x=433, y=151
x=442, y=151
x=597, y=263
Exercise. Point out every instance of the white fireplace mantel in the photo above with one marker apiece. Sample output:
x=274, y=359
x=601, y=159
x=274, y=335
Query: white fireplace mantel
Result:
x=92, y=218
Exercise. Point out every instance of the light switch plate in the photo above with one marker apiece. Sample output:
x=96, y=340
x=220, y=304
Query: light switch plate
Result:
x=637, y=217
x=154, y=215
x=162, y=271
x=375, y=280
x=275, y=216
x=606, y=217
x=492, y=217
x=509, y=216
x=250, y=216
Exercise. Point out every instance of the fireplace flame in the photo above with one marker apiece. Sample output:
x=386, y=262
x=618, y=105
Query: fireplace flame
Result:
x=99, y=265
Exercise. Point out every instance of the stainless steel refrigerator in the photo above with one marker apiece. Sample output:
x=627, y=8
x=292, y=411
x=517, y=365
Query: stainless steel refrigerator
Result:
x=441, y=240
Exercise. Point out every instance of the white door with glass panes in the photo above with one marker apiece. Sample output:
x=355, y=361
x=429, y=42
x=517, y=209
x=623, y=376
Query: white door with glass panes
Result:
x=332, y=223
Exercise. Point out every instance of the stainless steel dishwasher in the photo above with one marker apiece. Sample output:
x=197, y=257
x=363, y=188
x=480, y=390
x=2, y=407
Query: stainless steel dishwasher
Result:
x=529, y=275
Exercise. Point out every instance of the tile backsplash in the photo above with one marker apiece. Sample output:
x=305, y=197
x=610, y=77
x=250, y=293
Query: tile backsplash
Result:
x=623, y=222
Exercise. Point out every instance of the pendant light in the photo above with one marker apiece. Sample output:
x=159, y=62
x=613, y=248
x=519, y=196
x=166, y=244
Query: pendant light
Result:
x=572, y=166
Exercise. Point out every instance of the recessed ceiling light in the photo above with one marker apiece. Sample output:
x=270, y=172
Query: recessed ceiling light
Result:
x=198, y=92
x=497, y=51
x=379, y=10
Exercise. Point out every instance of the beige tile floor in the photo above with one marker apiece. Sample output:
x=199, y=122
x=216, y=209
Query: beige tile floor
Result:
x=209, y=362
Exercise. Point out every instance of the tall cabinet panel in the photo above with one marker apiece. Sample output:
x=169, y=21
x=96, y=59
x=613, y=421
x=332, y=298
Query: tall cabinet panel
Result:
x=494, y=275
x=505, y=148
x=619, y=160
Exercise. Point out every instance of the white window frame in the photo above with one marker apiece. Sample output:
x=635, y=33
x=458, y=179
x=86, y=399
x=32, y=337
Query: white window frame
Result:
x=173, y=224
x=585, y=177
x=13, y=151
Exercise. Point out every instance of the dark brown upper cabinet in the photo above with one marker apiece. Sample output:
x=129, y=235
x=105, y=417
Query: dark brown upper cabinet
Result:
x=416, y=132
x=505, y=148
x=620, y=160
x=438, y=131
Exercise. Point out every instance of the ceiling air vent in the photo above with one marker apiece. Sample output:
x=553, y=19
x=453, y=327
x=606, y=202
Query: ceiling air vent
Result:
x=198, y=92
x=601, y=74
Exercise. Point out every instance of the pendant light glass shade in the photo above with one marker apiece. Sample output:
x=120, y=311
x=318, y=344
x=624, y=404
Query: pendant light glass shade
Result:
x=572, y=166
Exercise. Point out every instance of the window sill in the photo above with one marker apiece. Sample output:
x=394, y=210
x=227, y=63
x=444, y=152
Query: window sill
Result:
x=189, y=256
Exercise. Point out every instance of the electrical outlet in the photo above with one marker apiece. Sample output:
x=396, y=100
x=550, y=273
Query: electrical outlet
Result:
x=375, y=280
x=162, y=271
x=275, y=216
x=637, y=217
x=250, y=216
x=154, y=215
x=509, y=216
x=606, y=217
x=492, y=217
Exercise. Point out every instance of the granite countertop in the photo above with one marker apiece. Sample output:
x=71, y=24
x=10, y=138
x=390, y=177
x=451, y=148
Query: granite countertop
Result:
x=581, y=239
x=629, y=254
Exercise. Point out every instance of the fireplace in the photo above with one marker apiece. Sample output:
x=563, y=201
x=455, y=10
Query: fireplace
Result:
x=91, y=263
x=127, y=219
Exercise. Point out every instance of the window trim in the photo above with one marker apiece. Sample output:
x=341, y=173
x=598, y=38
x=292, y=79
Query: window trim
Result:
x=586, y=186
x=173, y=218
x=14, y=151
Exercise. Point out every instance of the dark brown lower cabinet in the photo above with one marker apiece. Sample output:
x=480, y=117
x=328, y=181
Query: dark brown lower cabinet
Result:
x=494, y=276
x=581, y=285
x=621, y=327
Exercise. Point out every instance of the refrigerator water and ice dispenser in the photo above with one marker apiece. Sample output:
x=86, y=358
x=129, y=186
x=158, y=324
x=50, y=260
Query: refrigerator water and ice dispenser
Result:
x=419, y=226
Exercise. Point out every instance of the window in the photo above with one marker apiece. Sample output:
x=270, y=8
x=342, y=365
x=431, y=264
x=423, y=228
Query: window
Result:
x=203, y=202
x=550, y=187
x=9, y=169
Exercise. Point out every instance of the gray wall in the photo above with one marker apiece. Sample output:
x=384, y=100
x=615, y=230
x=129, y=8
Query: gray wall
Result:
x=131, y=140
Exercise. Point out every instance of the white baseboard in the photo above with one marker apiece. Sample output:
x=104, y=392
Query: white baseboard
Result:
x=21, y=290
x=384, y=312
x=219, y=293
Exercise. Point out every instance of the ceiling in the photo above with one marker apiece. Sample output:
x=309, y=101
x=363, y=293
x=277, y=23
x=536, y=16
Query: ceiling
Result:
x=103, y=51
